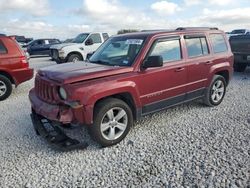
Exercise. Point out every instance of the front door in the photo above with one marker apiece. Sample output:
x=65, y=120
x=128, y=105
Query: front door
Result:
x=162, y=87
x=97, y=41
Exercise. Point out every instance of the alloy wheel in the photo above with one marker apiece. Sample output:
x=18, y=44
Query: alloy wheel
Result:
x=218, y=91
x=3, y=88
x=114, y=123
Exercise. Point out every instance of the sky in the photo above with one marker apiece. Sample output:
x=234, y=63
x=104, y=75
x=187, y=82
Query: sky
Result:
x=64, y=19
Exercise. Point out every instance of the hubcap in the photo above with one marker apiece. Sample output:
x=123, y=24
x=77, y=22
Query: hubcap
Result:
x=3, y=88
x=218, y=90
x=114, y=123
x=75, y=59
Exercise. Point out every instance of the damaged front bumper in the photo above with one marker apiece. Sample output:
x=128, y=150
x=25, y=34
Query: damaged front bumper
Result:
x=54, y=134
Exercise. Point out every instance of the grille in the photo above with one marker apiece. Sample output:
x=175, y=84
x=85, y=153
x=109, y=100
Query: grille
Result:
x=45, y=90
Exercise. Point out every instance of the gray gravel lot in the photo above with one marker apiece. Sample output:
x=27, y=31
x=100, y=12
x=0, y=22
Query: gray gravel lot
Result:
x=189, y=145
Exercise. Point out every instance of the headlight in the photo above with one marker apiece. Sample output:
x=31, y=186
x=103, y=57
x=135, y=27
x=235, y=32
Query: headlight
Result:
x=61, y=53
x=62, y=93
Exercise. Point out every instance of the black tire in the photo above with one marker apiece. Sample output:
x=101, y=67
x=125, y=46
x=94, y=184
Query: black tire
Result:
x=208, y=98
x=239, y=67
x=74, y=58
x=6, y=85
x=58, y=62
x=100, y=114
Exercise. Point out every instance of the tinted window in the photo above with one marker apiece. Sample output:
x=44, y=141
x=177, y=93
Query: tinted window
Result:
x=53, y=41
x=96, y=38
x=3, y=50
x=39, y=42
x=218, y=43
x=238, y=31
x=169, y=50
x=105, y=36
x=196, y=46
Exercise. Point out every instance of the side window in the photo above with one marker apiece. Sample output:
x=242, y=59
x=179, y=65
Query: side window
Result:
x=53, y=41
x=46, y=41
x=169, y=49
x=40, y=42
x=218, y=43
x=105, y=36
x=196, y=46
x=3, y=49
x=96, y=38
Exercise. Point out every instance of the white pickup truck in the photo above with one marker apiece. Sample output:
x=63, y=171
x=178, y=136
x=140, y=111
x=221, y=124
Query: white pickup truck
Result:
x=82, y=45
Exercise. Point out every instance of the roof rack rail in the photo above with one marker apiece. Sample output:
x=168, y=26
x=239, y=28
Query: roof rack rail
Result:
x=196, y=28
x=152, y=30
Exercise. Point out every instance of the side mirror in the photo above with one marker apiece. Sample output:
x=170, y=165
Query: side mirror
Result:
x=89, y=55
x=153, y=61
x=89, y=42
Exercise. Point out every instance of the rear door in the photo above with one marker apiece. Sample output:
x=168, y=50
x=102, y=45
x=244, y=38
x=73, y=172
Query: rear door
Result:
x=10, y=54
x=198, y=61
x=3, y=55
x=163, y=86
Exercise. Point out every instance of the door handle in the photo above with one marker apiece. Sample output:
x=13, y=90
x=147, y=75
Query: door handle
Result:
x=179, y=69
x=209, y=62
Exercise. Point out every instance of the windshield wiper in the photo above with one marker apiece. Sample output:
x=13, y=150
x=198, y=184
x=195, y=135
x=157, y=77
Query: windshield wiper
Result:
x=101, y=62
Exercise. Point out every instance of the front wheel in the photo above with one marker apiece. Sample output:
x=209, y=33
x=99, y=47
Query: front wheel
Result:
x=5, y=88
x=112, y=121
x=75, y=58
x=216, y=91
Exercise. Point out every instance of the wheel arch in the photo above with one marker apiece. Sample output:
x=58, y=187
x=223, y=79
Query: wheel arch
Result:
x=125, y=97
x=224, y=74
x=7, y=75
x=74, y=52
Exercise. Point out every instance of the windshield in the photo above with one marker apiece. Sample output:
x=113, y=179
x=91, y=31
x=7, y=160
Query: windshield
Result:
x=80, y=38
x=118, y=51
x=238, y=31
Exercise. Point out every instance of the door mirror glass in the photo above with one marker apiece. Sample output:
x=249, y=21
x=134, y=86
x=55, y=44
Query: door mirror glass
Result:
x=89, y=42
x=153, y=61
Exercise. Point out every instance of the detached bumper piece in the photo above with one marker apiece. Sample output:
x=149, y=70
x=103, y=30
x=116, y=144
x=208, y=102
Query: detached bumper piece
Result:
x=54, y=135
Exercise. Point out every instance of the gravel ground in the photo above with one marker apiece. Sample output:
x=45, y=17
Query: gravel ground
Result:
x=189, y=145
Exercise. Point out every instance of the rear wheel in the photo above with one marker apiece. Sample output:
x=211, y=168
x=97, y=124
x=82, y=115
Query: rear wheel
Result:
x=75, y=58
x=216, y=91
x=239, y=67
x=112, y=121
x=5, y=87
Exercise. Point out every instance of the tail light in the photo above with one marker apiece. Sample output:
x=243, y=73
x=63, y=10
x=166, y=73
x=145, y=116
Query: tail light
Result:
x=24, y=61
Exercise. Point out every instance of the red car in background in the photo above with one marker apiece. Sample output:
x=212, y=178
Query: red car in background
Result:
x=14, y=66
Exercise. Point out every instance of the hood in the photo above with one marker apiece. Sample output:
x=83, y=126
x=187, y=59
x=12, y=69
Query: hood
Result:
x=62, y=45
x=80, y=71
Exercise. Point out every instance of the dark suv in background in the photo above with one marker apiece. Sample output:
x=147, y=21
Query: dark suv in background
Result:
x=240, y=45
x=41, y=46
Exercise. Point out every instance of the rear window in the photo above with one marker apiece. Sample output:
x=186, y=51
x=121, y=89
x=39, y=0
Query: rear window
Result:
x=3, y=49
x=196, y=46
x=218, y=43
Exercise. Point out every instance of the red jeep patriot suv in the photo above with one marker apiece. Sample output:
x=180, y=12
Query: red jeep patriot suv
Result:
x=14, y=66
x=130, y=76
